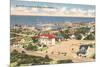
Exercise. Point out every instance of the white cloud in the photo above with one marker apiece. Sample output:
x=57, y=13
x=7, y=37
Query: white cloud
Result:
x=63, y=9
x=77, y=10
x=73, y=10
x=91, y=11
x=46, y=10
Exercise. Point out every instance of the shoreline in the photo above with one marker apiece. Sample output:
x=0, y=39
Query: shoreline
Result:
x=54, y=15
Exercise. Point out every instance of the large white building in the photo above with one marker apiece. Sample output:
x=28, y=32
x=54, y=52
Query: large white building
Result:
x=46, y=39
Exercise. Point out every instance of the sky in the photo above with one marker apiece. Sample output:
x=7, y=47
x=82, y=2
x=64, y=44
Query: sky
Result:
x=66, y=7
x=42, y=3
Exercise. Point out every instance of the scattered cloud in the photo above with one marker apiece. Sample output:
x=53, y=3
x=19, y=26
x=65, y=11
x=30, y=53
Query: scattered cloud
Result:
x=63, y=10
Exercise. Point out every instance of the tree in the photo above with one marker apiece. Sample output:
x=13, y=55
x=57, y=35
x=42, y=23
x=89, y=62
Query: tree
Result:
x=90, y=37
x=31, y=47
x=64, y=34
x=35, y=48
x=35, y=40
x=83, y=30
x=15, y=51
x=78, y=36
x=44, y=45
x=23, y=52
x=46, y=57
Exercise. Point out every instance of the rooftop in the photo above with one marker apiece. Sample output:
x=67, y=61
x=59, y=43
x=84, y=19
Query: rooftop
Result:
x=50, y=36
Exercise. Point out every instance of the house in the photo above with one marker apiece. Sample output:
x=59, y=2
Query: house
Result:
x=73, y=37
x=82, y=50
x=85, y=50
x=60, y=38
x=45, y=39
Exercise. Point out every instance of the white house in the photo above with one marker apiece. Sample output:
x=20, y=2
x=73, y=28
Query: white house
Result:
x=46, y=39
x=72, y=37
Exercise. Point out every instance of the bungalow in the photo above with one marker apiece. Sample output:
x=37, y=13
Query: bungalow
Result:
x=45, y=39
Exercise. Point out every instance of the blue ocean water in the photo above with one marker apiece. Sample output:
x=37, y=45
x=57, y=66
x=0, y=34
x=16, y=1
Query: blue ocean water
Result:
x=29, y=20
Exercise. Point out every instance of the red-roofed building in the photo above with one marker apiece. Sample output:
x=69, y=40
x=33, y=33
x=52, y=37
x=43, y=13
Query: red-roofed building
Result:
x=46, y=39
x=49, y=36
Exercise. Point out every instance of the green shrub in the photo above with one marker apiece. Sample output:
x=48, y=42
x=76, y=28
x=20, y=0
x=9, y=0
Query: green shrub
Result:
x=83, y=30
x=35, y=41
x=90, y=37
x=78, y=36
x=64, y=61
x=31, y=47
